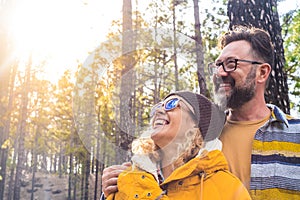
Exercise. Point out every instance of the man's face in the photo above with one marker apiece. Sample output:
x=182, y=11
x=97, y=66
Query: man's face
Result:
x=236, y=88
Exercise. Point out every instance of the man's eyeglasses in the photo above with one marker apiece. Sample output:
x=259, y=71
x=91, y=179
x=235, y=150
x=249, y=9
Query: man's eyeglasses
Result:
x=168, y=105
x=228, y=65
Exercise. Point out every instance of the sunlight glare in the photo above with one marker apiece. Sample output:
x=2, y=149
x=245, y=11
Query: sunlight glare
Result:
x=62, y=33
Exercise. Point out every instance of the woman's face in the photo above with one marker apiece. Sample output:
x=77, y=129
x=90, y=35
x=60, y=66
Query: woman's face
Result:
x=171, y=126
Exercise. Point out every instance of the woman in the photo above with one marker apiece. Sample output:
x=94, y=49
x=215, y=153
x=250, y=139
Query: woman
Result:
x=181, y=158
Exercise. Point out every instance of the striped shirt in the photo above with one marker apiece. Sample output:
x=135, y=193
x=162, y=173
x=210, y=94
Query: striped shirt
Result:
x=275, y=159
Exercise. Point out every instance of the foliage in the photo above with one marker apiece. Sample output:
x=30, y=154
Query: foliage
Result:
x=66, y=121
x=291, y=30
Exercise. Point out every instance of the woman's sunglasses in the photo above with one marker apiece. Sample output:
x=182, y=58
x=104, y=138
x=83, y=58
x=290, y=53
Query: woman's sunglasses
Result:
x=168, y=105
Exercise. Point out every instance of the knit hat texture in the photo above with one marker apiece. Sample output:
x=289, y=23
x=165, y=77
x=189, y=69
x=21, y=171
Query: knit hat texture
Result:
x=210, y=118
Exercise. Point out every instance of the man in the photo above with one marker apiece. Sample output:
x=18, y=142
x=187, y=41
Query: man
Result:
x=260, y=142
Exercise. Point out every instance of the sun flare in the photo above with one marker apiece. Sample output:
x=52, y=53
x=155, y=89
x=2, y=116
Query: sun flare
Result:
x=59, y=33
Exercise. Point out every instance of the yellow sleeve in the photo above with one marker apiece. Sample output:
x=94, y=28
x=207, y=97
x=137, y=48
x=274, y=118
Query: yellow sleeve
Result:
x=110, y=197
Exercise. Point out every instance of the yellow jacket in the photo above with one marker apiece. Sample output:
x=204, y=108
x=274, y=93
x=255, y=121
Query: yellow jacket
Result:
x=202, y=178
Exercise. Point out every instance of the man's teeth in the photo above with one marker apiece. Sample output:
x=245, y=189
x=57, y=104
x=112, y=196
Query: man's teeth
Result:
x=224, y=84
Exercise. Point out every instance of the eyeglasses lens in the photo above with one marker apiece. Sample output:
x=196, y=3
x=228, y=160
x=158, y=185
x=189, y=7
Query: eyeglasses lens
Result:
x=154, y=108
x=169, y=105
x=230, y=65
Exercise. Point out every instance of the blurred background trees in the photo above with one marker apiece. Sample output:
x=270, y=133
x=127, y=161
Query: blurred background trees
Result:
x=86, y=120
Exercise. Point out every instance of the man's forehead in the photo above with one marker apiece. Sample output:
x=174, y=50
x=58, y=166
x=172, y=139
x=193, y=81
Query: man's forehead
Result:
x=239, y=49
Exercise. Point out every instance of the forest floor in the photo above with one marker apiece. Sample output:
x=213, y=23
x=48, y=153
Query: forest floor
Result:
x=47, y=187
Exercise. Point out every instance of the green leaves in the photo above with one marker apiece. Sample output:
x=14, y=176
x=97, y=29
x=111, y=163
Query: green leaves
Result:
x=291, y=31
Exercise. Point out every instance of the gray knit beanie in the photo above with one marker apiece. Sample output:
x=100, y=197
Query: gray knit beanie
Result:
x=210, y=118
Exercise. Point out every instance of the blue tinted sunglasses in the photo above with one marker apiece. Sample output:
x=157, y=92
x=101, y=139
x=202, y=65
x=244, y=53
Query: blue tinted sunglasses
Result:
x=168, y=105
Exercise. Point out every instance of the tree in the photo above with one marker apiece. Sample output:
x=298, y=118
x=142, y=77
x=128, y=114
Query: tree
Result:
x=263, y=14
x=199, y=51
x=7, y=75
x=22, y=130
x=291, y=30
x=126, y=128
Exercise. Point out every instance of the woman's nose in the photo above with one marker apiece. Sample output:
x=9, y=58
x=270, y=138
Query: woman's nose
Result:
x=160, y=110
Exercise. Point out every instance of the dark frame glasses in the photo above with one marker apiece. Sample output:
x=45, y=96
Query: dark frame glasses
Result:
x=228, y=65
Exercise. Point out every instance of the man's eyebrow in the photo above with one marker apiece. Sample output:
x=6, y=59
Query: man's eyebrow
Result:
x=227, y=58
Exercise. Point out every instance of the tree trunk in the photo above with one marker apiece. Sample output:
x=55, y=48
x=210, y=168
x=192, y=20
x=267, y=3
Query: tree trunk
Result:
x=34, y=162
x=93, y=161
x=5, y=51
x=175, y=45
x=70, y=174
x=75, y=185
x=12, y=171
x=75, y=180
x=6, y=130
x=6, y=79
x=125, y=132
x=87, y=174
x=60, y=162
x=104, y=160
x=97, y=165
x=55, y=163
x=51, y=163
x=82, y=181
x=21, y=132
x=199, y=51
x=263, y=14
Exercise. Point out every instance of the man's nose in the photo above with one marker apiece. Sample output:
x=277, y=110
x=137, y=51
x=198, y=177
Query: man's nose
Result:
x=220, y=72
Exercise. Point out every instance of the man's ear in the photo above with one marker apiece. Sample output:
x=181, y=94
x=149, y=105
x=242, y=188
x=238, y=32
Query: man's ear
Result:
x=264, y=71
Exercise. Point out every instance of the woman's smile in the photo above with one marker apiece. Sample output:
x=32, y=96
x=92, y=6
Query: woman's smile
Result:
x=159, y=121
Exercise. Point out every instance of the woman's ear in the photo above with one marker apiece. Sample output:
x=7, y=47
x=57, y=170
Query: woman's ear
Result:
x=264, y=71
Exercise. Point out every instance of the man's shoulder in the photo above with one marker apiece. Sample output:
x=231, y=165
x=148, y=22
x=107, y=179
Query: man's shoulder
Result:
x=279, y=115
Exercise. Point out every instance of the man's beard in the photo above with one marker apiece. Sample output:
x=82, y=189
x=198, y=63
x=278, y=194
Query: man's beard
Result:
x=239, y=95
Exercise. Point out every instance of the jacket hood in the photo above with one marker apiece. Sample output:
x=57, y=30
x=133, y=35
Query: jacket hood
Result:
x=207, y=163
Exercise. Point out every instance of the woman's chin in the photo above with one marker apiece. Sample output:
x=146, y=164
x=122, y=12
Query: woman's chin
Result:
x=157, y=133
x=158, y=128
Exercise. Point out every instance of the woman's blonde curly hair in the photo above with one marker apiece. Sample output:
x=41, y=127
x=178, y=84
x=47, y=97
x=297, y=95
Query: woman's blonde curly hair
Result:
x=188, y=150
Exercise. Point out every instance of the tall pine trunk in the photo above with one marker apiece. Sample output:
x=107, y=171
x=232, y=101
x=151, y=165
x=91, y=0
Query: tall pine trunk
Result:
x=263, y=14
x=97, y=165
x=125, y=132
x=82, y=181
x=70, y=176
x=6, y=131
x=12, y=171
x=87, y=174
x=22, y=131
x=6, y=87
x=174, y=4
x=34, y=162
x=199, y=50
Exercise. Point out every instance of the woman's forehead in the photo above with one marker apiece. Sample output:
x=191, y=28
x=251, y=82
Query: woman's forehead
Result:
x=172, y=97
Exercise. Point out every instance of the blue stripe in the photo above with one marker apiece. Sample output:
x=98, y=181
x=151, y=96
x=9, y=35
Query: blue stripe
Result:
x=294, y=121
x=280, y=136
x=260, y=159
x=262, y=183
